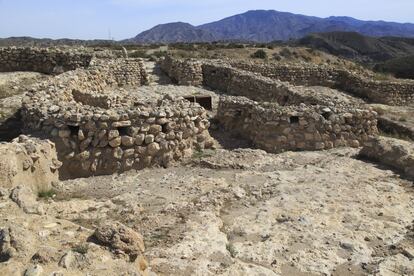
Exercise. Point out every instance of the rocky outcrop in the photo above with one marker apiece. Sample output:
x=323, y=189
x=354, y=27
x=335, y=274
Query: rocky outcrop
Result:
x=394, y=153
x=28, y=162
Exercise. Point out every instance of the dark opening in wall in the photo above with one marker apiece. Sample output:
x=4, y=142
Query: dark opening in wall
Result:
x=294, y=119
x=123, y=130
x=204, y=101
x=326, y=115
x=74, y=130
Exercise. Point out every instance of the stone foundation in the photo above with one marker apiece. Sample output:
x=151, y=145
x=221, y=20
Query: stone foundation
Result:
x=102, y=129
x=47, y=61
x=183, y=72
x=188, y=72
x=386, y=92
x=277, y=128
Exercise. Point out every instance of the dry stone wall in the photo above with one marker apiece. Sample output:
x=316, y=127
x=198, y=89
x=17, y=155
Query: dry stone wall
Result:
x=192, y=72
x=378, y=91
x=183, y=72
x=256, y=87
x=277, y=128
x=42, y=60
x=99, y=128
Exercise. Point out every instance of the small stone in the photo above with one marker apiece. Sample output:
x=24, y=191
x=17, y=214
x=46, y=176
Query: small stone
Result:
x=149, y=139
x=117, y=153
x=121, y=124
x=64, y=133
x=127, y=141
x=139, y=139
x=116, y=142
x=153, y=148
x=34, y=270
x=113, y=134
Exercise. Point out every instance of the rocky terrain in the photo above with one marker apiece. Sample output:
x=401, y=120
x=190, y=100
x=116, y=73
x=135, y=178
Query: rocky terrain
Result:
x=240, y=212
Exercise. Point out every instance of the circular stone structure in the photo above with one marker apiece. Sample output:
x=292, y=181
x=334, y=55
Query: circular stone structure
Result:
x=101, y=128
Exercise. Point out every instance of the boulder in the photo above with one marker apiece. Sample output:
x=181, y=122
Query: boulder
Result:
x=120, y=239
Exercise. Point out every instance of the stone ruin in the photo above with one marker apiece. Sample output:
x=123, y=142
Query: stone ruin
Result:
x=42, y=60
x=100, y=127
x=277, y=116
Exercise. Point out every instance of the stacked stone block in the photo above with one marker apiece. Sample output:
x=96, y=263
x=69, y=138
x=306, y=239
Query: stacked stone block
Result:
x=42, y=60
x=99, y=128
x=277, y=128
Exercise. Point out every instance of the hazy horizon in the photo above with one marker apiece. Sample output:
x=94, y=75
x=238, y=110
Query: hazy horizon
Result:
x=121, y=19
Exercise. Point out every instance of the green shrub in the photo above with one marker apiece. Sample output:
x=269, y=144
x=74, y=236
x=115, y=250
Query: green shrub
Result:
x=285, y=52
x=47, y=194
x=259, y=54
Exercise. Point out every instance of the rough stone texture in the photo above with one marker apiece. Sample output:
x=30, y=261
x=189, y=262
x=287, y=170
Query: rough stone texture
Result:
x=379, y=91
x=243, y=83
x=387, y=92
x=277, y=128
x=28, y=162
x=183, y=72
x=45, y=60
x=25, y=198
x=391, y=152
x=100, y=128
x=121, y=239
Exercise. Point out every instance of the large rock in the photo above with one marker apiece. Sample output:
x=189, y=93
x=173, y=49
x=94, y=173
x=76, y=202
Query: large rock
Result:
x=26, y=199
x=120, y=239
x=30, y=162
x=391, y=152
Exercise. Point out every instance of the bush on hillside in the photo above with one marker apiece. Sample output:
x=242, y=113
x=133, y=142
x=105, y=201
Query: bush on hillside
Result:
x=259, y=54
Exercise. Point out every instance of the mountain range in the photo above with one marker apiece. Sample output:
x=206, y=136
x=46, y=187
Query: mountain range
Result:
x=267, y=26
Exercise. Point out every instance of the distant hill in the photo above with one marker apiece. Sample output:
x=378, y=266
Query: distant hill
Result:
x=359, y=47
x=26, y=41
x=173, y=32
x=267, y=26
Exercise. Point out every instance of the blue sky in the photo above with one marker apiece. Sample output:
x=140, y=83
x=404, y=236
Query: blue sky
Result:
x=88, y=19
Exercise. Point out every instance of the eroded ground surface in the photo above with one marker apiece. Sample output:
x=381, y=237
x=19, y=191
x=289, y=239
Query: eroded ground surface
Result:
x=240, y=212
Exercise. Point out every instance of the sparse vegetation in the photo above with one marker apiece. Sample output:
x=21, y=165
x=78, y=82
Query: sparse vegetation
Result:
x=260, y=54
x=232, y=250
x=47, y=194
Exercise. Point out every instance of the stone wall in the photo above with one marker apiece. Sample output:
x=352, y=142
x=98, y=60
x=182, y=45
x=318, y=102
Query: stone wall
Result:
x=42, y=60
x=29, y=162
x=256, y=87
x=192, y=72
x=385, y=91
x=277, y=128
x=183, y=72
x=101, y=129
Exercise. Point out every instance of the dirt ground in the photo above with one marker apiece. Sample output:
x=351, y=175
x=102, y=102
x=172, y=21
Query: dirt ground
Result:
x=243, y=212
